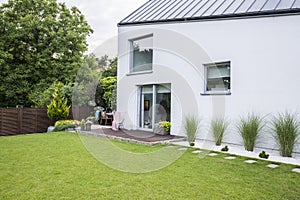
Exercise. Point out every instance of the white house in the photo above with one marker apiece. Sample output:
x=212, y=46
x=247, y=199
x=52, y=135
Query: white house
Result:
x=208, y=58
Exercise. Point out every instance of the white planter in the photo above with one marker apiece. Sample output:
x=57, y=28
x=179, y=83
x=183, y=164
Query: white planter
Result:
x=50, y=129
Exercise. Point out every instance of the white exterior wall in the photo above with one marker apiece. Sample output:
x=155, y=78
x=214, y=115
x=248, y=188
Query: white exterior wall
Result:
x=265, y=69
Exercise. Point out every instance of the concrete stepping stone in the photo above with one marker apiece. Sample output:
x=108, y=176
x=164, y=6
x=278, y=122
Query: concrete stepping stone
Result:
x=230, y=157
x=182, y=149
x=296, y=170
x=273, y=166
x=197, y=151
x=250, y=161
x=213, y=154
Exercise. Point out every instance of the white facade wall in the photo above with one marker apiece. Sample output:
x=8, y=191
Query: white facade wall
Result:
x=265, y=68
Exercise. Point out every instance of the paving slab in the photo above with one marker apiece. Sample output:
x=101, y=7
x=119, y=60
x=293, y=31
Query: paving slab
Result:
x=213, y=154
x=272, y=166
x=250, y=161
x=182, y=149
x=296, y=170
x=230, y=157
x=197, y=151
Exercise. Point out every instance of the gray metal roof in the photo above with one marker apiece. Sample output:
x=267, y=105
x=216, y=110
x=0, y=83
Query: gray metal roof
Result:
x=185, y=10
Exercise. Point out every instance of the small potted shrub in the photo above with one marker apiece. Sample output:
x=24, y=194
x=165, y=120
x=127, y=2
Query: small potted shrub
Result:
x=225, y=148
x=166, y=125
x=82, y=125
x=263, y=155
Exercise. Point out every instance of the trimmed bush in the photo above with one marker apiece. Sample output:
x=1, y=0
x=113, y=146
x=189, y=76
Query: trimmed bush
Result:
x=249, y=129
x=66, y=122
x=191, y=125
x=166, y=125
x=225, y=148
x=263, y=154
x=286, y=132
x=63, y=127
x=58, y=108
x=219, y=125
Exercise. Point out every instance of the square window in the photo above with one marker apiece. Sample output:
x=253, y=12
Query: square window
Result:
x=141, y=54
x=217, y=78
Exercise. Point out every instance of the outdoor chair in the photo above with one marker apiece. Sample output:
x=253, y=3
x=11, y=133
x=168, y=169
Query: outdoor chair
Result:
x=105, y=119
x=118, y=121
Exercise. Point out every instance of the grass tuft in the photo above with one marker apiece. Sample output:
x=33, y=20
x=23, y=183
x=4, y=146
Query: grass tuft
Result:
x=191, y=125
x=249, y=128
x=219, y=125
x=286, y=132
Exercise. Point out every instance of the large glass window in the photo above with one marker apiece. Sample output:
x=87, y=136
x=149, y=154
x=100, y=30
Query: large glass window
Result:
x=142, y=54
x=155, y=105
x=217, y=77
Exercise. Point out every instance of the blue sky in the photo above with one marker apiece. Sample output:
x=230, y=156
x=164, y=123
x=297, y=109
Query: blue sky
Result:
x=103, y=16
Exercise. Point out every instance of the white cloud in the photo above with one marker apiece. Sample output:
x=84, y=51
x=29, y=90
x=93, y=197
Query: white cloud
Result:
x=103, y=16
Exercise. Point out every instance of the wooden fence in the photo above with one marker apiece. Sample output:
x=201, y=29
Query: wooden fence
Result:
x=14, y=121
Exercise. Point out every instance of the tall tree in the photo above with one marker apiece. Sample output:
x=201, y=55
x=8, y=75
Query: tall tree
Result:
x=41, y=41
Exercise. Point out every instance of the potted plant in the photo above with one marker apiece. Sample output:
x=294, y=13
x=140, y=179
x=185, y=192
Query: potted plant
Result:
x=82, y=125
x=162, y=128
x=166, y=125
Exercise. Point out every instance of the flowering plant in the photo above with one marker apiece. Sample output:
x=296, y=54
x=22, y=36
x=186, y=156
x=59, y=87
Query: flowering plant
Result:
x=166, y=125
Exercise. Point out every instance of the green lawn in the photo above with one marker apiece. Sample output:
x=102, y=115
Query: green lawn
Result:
x=58, y=166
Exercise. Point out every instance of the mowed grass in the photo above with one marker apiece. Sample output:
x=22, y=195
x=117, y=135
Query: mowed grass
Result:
x=58, y=166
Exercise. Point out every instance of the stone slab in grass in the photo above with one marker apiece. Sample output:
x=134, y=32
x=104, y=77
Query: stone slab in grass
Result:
x=230, y=157
x=213, y=154
x=272, y=166
x=250, y=161
x=296, y=170
x=182, y=149
x=197, y=151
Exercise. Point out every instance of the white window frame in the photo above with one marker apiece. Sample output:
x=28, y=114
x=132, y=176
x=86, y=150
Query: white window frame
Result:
x=217, y=92
x=131, y=71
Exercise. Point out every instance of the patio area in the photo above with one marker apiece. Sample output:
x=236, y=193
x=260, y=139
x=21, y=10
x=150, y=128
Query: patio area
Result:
x=137, y=136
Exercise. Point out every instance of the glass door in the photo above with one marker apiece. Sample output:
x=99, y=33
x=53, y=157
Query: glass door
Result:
x=146, y=107
x=155, y=105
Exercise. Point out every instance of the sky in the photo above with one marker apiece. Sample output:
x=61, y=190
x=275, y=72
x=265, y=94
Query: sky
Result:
x=103, y=16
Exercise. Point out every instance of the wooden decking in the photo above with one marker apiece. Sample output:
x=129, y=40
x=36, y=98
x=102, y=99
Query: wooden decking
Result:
x=137, y=136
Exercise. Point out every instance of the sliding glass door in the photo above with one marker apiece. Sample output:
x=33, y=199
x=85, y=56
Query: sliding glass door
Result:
x=155, y=105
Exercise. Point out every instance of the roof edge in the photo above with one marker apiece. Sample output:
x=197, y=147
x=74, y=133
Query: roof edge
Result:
x=272, y=13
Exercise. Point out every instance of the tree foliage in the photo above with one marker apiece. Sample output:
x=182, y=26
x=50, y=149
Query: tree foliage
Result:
x=106, y=96
x=109, y=85
x=41, y=41
x=86, y=82
x=40, y=99
x=58, y=108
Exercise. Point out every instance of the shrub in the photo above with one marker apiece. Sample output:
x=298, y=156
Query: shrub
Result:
x=63, y=127
x=166, y=125
x=219, y=126
x=191, y=125
x=250, y=128
x=286, y=132
x=225, y=148
x=66, y=122
x=263, y=155
x=58, y=108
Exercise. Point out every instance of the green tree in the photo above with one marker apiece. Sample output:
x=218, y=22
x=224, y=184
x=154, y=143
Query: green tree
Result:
x=108, y=70
x=86, y=82
x=109, y=85
x=111, y=70
x=58, y=108
x=40, y=99
x=41, y=42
